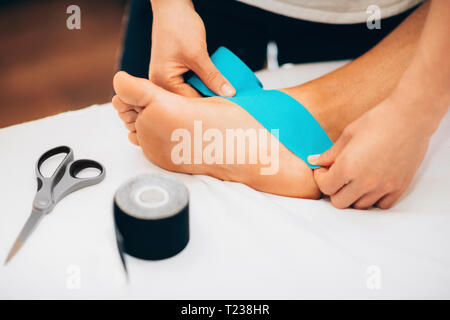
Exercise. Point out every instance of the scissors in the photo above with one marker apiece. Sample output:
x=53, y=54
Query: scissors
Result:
x=50, y=190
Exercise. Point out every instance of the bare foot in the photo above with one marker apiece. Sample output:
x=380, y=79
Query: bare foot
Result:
x=164, y=112
x=335, y=100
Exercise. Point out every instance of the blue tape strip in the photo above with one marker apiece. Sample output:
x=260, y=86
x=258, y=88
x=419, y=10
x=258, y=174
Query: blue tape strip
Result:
x=298, y=130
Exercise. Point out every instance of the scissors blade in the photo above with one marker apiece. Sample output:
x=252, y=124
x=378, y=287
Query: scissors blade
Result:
x=28, y=228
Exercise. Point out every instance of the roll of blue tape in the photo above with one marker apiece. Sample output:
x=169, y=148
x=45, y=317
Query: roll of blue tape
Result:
x=298, y=130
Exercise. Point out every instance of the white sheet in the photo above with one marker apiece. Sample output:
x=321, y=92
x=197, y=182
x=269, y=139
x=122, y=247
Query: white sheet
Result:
x=244, y=243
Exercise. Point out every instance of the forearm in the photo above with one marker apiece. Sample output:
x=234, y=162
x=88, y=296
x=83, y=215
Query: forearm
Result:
x=423, y=92
x=362, y=84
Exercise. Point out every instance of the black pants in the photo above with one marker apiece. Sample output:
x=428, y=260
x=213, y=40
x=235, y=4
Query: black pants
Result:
x=246, y=30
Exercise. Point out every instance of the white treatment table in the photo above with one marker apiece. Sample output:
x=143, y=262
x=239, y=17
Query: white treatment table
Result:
x=244, y=243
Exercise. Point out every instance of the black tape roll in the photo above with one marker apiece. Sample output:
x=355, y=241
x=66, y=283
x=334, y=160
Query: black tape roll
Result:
x=151, y=214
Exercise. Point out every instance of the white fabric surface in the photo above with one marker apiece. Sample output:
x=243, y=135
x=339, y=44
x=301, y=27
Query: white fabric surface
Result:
x=244, y=243
x=332, y=11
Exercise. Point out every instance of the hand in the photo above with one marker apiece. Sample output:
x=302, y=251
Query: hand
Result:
x=375, y=158
x=179, y=45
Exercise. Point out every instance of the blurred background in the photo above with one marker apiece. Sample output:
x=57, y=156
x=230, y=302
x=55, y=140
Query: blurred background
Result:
x=47, y=68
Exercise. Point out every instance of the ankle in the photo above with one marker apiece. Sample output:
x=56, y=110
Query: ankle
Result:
x=326, y=110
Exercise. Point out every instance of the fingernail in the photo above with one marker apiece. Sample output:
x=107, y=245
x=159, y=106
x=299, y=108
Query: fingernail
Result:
x=313, y=158
x=227, y=90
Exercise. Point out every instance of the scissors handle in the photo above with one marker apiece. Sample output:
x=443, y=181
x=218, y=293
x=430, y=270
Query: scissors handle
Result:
x=44, y=200
x=64, y=180
x=70, y=182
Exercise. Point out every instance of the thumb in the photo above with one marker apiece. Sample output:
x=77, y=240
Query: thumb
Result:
x=185, y=90
x=211, y=77
x=327, y=158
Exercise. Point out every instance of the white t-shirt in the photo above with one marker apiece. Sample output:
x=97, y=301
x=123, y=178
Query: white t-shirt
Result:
x=334, y=11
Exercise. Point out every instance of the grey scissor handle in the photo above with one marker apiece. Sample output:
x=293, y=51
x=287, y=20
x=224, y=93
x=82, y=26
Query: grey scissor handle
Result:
x=63, y=181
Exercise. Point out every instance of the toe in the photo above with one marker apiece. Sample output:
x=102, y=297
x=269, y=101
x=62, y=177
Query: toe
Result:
x=131, y=126
x=121, y=106
x=135, y=91
x=128, y=116
x=132, y=136
x=138, y=109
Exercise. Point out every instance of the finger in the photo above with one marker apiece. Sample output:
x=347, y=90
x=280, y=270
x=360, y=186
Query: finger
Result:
x=128, y=116
x=175, y=85
x=132, y=136
x=134, y=91
x=331, y=180
x=119, y=105
x=211, y=76
x=329, y=157
x=345, y=197
x=369, y=199
x=388, y=200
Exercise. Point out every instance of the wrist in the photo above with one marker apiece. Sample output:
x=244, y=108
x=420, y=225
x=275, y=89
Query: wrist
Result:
x=417, y=113
x=158, y=5
x=422, y=93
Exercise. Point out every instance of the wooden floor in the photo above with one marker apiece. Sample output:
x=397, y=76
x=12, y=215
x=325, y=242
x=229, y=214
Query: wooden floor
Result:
x=46, y=68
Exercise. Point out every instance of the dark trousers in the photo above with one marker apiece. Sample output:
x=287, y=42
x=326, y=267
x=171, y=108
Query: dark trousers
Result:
x=246, y=30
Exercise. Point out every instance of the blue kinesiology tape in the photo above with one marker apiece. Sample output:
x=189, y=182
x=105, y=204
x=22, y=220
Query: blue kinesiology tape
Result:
x=298, y=130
